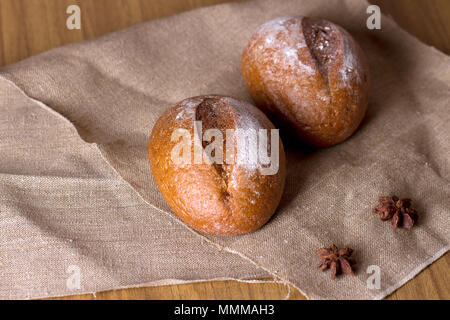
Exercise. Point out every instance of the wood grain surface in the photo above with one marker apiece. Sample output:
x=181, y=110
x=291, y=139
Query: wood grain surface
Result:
x=28, y=27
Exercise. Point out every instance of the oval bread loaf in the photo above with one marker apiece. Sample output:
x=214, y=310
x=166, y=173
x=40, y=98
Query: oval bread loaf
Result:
x=235, y=196
x=309, y=75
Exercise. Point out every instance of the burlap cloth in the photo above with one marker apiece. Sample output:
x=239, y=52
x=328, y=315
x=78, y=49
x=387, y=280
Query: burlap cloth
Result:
x=76, y=188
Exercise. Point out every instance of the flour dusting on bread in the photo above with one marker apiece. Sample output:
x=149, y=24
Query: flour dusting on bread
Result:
x=309, y=75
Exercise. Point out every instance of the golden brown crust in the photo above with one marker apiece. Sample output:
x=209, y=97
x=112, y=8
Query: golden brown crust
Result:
x=226, y=199
x=309, y=74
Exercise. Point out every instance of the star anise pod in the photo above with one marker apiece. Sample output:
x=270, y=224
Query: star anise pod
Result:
x=338, y=260
x=399, y=210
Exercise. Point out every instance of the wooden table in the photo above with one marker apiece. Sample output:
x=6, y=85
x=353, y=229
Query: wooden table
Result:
x=28, y=27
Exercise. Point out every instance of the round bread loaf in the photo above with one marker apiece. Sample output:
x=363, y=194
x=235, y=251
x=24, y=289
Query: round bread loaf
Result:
x=234, y=196
x=310, y=75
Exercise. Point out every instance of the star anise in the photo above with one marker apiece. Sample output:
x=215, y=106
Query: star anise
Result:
x=399, y=210
x=338, y=260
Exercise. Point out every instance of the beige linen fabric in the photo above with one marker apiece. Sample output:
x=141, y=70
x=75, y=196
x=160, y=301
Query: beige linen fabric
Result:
x=62, y=207
x=76, y=188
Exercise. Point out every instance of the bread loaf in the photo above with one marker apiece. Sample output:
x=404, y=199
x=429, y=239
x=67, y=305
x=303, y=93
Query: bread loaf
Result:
x=308, y=75
x=234, y=197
